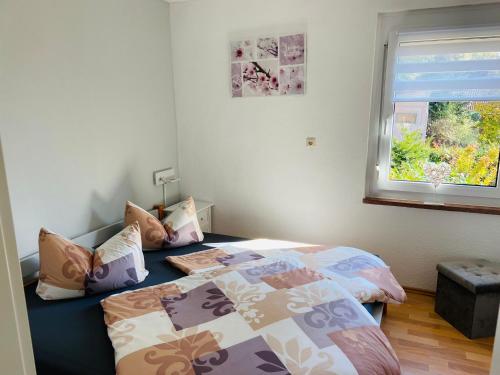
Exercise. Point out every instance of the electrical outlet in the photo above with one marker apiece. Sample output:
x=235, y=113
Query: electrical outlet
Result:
x=160, y=177
x=311, y=142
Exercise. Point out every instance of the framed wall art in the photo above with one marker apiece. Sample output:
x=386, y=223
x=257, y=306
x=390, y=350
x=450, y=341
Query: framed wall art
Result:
x=270, y=65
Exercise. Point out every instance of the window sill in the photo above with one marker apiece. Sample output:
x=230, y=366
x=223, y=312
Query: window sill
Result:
x=489, y=210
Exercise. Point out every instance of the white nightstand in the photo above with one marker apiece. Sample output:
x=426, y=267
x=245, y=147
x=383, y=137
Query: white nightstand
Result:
x=203, y=211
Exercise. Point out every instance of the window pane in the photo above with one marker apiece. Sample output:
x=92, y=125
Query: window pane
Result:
x=463, y=135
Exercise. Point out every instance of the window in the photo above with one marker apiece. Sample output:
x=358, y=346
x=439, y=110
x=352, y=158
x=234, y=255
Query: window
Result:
x=439, y=114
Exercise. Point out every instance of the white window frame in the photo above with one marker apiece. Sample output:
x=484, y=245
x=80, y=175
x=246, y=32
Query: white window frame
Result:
x=378, y=167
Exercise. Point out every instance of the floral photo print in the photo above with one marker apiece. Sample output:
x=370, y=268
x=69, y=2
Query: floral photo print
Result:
x=242, y=50
x=291, y=80
x=292, y=49
x=236, y=79
x=267, y=48
x=268, y=66
x=260, y=78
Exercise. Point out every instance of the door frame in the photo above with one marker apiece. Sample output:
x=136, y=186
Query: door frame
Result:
x=16, y=351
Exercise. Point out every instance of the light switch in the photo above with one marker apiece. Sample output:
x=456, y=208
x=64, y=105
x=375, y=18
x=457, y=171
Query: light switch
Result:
x=311, y=142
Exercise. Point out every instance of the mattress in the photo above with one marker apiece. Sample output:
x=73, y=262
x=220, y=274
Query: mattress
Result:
x=69, y=336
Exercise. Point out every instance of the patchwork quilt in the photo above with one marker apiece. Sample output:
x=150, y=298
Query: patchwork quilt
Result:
x=246, y=319
x=363, y=274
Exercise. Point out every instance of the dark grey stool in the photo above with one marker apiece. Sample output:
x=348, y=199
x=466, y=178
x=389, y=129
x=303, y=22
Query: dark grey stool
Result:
x=468, y=296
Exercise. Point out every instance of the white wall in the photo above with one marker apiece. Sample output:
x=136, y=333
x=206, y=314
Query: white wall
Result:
x=249, y=155
x=86, y=110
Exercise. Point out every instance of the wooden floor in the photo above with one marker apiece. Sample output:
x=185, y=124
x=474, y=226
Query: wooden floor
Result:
x=426, y=344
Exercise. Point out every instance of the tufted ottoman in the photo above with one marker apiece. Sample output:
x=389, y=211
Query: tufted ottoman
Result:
x=468, y=296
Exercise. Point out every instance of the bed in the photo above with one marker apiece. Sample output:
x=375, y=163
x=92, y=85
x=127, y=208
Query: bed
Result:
x=69, y=336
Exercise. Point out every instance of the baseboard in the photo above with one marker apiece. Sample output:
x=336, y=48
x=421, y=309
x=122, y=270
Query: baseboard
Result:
x=423, y=292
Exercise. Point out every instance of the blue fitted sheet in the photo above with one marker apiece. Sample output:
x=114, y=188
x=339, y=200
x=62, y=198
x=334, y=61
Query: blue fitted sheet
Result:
x=69, y=336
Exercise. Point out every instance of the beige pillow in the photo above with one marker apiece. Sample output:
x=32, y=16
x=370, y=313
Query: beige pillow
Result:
x=180, y=228
x=64, y=267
